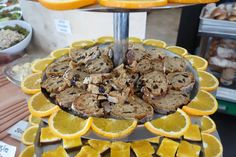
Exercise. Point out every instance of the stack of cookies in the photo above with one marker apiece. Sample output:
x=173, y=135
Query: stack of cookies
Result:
x=87, y=83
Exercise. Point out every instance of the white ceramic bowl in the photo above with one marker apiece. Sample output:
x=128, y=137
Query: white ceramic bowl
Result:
x=19, y=47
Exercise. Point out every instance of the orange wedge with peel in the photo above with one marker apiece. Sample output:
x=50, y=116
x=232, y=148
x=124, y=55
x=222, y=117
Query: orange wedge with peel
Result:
x=82, y=44
x=207, y=125
x=192, y=1
x=27, y=152
x=173, y=125
x=135, y=40
x=68, y=126
x=113, y=128
x=203, y=104
x=65, y=5
x=132, y=4
x=31, y=83
x=198, y=62
x=208, y=82
x=29, y=134
x=155, y=43
x=211, y=145
x=177, y=50
x=40, y=106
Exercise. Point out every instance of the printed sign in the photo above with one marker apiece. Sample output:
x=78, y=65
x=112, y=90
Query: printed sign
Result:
x=63, y=26
x=7, y=150
x=17, y=130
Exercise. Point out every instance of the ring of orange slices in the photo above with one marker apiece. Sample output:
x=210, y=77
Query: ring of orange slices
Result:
x=195, y=107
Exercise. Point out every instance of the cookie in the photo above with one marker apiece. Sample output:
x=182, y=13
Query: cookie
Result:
x=154, y=83
x=155, y=54
x=133, y=108
x=87, y=104
x=174, y=64
x=135, y=54
x=181, y=80
x=169, y=102
x=83, y=56
x=122, y=78
x=66, y=97
x=54, y=84
x=57, y=68
x=75, y=77
x=102, y=64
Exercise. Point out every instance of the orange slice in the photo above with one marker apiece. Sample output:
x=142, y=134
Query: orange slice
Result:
x=105, y=39
x=173, y=125
x=34, y=120
x=177, y=50
x=193, y=133
x=87, y=151
x=120, y=149
x=61, y=122
x=113, y=128
x=27, y=152
x=132, y=4
x=82, y=44
x=207, y=125
x=47, y=136
x=187, y=149
x=198, y=62
x=155, y=43
x=40, y=64
x=193, y=1
x=135, y=40
x=40, y=106
x=72, y=143
x=99, y=145
x=142, y=148
x=59, y=52
x=65, y=5
x=29, y=135
x=208, y=82
x=167, y=148
x=58, y=152
x=211, y=145
x=203, y=104
x=31, y=83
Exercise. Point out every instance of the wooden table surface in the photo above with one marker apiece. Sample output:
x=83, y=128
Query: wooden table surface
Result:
x=13, y=108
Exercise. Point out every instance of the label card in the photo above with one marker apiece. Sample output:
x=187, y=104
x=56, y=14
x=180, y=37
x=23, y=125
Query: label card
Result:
x=17, y=130
x=63, y=26
x=7, y=150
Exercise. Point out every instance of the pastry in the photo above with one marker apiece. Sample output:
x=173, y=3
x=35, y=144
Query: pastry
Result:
x=102, y=64
x=174, y=64
x=154, y=83
x=133, y=108
x=58, y=67
x=54, y=84
x=75, y=77
x=180, y=80
x=66, y=97
x=169, y=102
x=87, y=104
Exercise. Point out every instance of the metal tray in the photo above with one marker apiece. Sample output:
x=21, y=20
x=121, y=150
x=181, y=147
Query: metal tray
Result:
x=140, y=132
x=221, y=28
x=40, y=148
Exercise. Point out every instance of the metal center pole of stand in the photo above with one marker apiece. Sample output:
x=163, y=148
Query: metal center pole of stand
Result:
x=121, y=34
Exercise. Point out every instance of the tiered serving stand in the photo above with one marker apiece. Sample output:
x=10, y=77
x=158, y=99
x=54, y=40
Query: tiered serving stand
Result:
x=121, y=34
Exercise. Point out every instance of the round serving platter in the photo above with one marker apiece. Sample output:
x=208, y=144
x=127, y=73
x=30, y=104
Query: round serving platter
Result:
x=140, y=132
